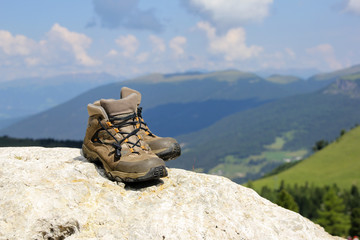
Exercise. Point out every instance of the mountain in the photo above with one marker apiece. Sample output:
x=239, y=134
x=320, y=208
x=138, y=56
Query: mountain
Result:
x=194, y=100
x=282, y=79
x=250, y=143
x=247, y=144
x=302, y=73
x=23, y=97
x=337, y=163
x=229, y=123
x=6, y=121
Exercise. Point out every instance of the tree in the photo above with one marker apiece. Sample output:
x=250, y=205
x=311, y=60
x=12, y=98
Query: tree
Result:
x=250, y=184
x=268, y=193
x=287, y=201
x=342, y=132
x=355, y=211
x=331, y=214
x=355, y=197
x=307, y=207
x=320, y=145
x=355, y=222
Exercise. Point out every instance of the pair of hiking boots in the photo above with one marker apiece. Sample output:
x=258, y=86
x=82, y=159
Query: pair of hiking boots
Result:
x=118, y=137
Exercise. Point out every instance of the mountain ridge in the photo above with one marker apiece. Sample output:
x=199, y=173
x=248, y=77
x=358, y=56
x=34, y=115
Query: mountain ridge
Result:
x=238, y=125
x=154, y=94
x=336, y=74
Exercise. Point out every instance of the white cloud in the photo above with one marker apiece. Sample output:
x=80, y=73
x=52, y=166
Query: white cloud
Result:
x=129, y=44
x=73, y=42
x=353, y=6
x=32, y=61
x=60, y=49
x=232, y=45
x=290, y=53
x=15, y=45
x=324, y=53
x=231, y=12
x=209, y=30
x=142, y=57
x=280, y=59
x=177, y=45
x=112, y=53
x=158, y=44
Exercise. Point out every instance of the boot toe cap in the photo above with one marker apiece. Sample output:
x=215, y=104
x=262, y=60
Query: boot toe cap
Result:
x=162, y=143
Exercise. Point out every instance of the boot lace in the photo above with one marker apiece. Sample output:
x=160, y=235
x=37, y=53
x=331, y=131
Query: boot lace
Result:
x=143, y=125
x=118, y=123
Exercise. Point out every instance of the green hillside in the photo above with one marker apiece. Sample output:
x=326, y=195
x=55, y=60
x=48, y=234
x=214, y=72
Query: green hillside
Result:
x=255, y=141
x=336, y=74
x=337, y=163
x=346, y=85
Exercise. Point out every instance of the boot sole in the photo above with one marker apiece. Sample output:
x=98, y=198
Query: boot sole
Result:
x=153, y=173
x=171, y=153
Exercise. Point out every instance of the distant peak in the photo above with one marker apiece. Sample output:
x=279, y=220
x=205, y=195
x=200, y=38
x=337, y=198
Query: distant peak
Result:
x=282, y=79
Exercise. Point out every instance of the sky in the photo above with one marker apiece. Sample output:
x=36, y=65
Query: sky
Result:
x=129, y=38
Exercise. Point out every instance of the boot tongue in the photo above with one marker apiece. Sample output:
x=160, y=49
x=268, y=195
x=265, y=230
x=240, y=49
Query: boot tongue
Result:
x=122, y=108
x=127, y=105
x=125, y=91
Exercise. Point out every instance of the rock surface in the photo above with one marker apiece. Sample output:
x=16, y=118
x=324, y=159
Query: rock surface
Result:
x=350, y=88
x=55, y=193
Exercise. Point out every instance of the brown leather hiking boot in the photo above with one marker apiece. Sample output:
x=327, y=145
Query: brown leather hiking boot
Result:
x=113, y=138
x=166, y=148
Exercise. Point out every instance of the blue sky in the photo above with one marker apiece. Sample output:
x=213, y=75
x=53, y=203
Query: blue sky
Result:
x=135, y=37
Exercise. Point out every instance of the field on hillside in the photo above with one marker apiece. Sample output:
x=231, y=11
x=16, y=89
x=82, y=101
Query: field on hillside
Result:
x=255, y=166
x=337, y=163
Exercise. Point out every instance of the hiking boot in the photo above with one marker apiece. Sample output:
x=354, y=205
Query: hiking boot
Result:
x=166, y=148
x=113, y=138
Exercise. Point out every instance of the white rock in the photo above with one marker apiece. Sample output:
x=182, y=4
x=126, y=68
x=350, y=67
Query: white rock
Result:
x=54, y=193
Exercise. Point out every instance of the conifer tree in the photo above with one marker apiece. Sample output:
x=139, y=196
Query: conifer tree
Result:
x=287, y=201
x=268, y=193
x=332, y=216
x=355, y=222
x=355, y=197
x=355, y=211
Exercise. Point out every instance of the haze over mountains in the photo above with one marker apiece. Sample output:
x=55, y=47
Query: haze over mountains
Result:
x=159, y=91
x=231, y=123
x=23, y=97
